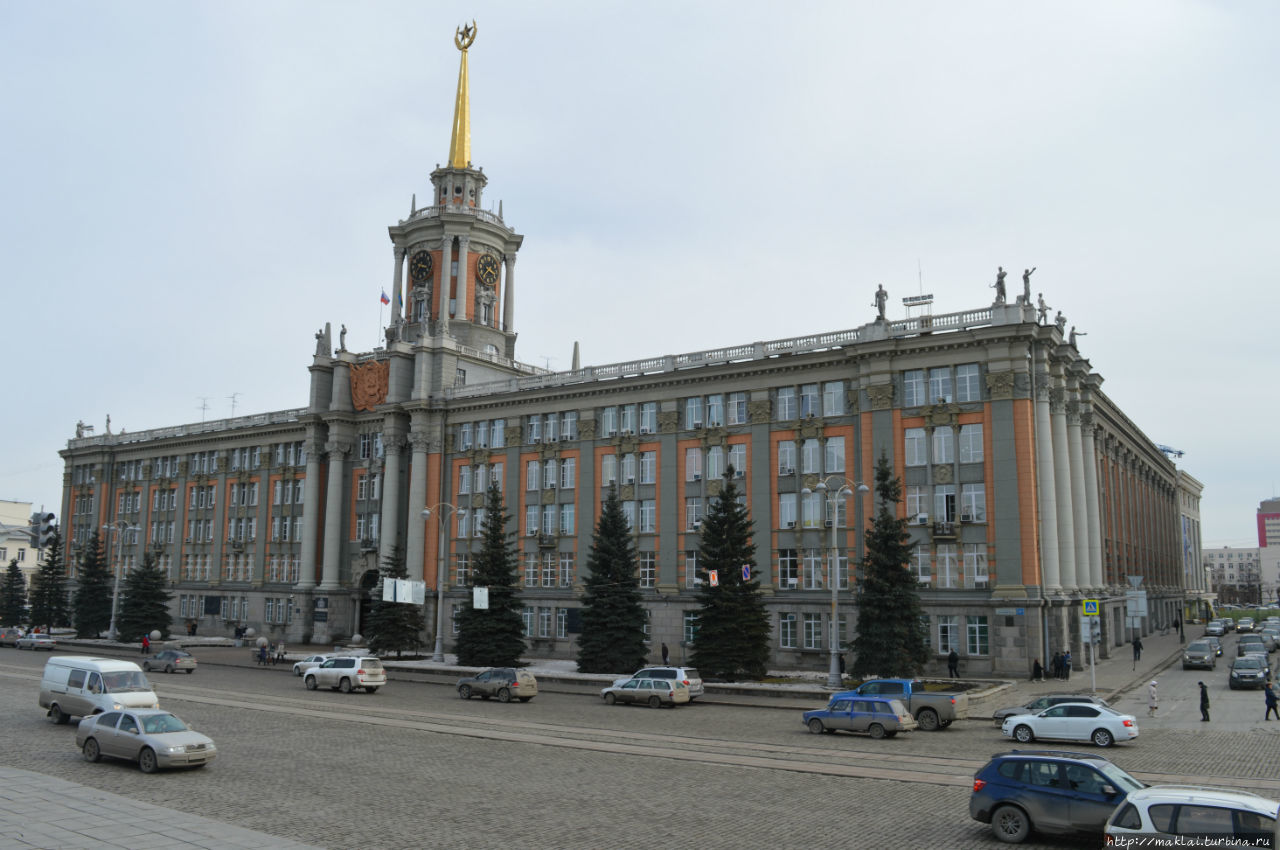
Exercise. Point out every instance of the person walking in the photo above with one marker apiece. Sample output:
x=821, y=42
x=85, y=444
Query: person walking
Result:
x=1037, y=672
x=1137, y=652
x=1204, y=703
x=280, y=650
x=1269, y=692
x=1153, y=699
x=953, y=664
x=146, y=645
x=666, y=656
x=1055, y=665
x=1066, y=664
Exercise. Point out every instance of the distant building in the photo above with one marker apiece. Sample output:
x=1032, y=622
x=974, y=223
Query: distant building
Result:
x=15, y=539
x=1236, y=574
x=1269, y=523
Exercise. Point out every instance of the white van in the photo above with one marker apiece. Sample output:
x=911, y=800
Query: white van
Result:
x=78, y=686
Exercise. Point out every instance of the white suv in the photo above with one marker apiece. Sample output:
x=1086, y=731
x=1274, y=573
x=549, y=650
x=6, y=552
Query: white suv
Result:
x=346, y=673
x=1196, y=811
x=687, y=675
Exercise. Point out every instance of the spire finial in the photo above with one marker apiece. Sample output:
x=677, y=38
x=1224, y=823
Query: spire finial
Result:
x=460, y=142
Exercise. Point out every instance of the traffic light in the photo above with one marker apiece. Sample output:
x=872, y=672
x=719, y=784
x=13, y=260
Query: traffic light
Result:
x=46, y=531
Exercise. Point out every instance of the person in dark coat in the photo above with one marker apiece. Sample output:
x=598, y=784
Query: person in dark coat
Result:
x=1204, y=703
x=666, y=655
x=1037, y=672
x=1066, y=664
x=1137, y=650
x=1269, y=692
x=953, y=664
x=1055, y=666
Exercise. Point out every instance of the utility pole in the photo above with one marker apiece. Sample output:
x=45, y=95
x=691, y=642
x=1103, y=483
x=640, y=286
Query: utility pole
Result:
x=233, y=398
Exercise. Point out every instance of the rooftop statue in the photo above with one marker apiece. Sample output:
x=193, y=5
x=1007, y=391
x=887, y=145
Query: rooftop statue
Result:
x=1042, y=310
x=1026, y=284
x=882, y=298
x=999, y=284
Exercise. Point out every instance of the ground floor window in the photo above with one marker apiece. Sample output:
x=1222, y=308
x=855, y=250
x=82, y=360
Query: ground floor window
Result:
x=977, y=634
x=690, y=630
x=787, y=631
x=527, y=616
x=948, y=633
x=648, y=569
x=813, y=631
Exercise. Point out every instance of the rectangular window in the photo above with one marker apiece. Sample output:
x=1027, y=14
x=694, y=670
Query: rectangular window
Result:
x=526, y=617
x=568, y=473
x=973, y=503
x=787, y=631
x=533, y=475
x=971, y=443
x=737, y=408
x=715, y=463
x=608, y=470
x=948, y=633
x=534, y=430
x=649, y=417
x=690, y=630
x=551, y=428
x=738, y=459
x=920, y=564
x=693, y=412
x=812, y=510
x=567, y=524
x=629, y=512
x=715, y=411
x=786, y=457
x=940, y=385
x=462, y=568
x=944, y=503
x=975, y=565
x=693, y=464
x=544, y=622
x=549, y=519
x=786, y=510
x=608, y=421
x=629, y=468
x=549, y=474
x=692, y=513
x=549, y=565
x=947, y=568
x=833, y=398
x=648, y=516
x=498, y=434
x=628, y=419
x=788, y=569
x=976, y=629
x=648, y=569
x=812, y=631
x=810, y=457
x=531, y=514
x=834, y=459
x=914, y=447
x=786, y=407
x=566, y=569
x=648, y=467
x=913, y=394
x=944, y=444
x=812, y=569
x=808, y=400
x=531, y=570
x=464, y=480
x=917, y=501
x=967, y=386
x=691, y=577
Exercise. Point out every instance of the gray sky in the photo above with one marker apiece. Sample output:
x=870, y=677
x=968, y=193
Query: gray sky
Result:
x=191, y=189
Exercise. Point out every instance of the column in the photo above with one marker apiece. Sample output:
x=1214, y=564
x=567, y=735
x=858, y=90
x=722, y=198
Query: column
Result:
x=415, y=537
x=463, y=302
x=509, y=294
x=446, y=283
x=1062, y=483
x=1045, y=485
x=393, y=443
x=1092, y=502
x=397, y=293
x=333, y=514
x=310, y=514
x=1075, y=454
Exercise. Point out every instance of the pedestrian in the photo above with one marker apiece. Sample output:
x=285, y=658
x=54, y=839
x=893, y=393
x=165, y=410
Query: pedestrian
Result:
x=1204, y=703
x=842, y=665
x=1270, y=694
x=1055, y=666
x=280, y=650
x=1037, y=672
x=1066, y=664
x=1137, y=650
x=1153, y=700
x=262, y=655
x=953, y=664
x=666, y=656
x=146, y=645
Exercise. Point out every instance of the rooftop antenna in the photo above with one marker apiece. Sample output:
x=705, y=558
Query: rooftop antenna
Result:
x=203, y=406
x=923, y=300
x=233, y=398
x=546, y=361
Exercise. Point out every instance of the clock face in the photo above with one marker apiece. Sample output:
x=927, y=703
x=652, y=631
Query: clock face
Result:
x=487, y=269
x=420, y=267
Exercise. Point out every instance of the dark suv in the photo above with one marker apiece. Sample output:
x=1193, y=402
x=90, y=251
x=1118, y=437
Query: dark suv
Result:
x=1048, y=791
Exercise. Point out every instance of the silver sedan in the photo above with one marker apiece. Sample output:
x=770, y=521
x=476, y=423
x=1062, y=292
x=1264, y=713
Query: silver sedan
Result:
x=40, y=641
x=149, y=736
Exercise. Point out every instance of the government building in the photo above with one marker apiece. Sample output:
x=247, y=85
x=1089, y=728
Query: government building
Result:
x=1027, y=489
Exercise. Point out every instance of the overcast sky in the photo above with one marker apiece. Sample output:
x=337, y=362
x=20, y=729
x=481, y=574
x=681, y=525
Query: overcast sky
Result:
x=191, y=189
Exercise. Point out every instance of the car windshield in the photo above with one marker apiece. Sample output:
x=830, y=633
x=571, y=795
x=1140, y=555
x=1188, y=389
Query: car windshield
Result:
x=1119, y=778
x=1199, y=646
x=158, y=724
x=126, y=680
x=1248, y=663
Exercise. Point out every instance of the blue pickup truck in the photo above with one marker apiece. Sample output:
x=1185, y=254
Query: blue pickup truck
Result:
x=933, y=710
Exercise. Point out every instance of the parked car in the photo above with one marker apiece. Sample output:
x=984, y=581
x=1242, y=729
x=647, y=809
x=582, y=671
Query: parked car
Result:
x=153, y=738
x=655, y=692
x=1195, y=812
x=1215, y=642
x=1072, y=721
x=310, y=662
x=501, y=682
x=878, y=717
x=1199, y=653
x=346, y=673
x=1216, y=628
x=170, y=661
x=1041, y=703
x=1247, y=671
x=1047, y=791
x=934, y=710
x=686, y=675
x=9, y=636
x=36, y=641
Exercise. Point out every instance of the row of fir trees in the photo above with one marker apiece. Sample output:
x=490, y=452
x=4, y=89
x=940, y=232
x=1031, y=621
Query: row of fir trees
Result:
x=733, y=629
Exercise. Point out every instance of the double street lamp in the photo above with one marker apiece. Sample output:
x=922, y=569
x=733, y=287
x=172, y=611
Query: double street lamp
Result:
x=441, y=570
x=120, y=527
x=833, y=493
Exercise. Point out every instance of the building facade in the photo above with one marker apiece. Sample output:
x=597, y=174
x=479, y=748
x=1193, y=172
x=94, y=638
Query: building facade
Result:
x=1236, y=574
x=15, y=539
x=1026, y=487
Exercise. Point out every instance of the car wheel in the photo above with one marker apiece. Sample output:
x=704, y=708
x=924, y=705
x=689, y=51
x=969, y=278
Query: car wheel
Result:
x=56, y=715
x=655, y=702
x=1103, y=738
x=610, y=699
x=91, y=750
x=504, y=695
x=815, y=726
x=464, y=691
x=372, y=690
x=345, y=686
x=1010, y=824
x=310, y=682
x=147, y=760
x=1024, y=735
x=169, y=669
x=928, y=719
x=875, y=730
x=146, y=666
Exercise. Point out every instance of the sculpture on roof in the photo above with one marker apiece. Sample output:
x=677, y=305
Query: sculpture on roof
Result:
x=79, y=429
x=1072, y=337
x=999, y=284
x=1026, y=284
x=1042, y=310
x=1061, y=321
x=342, y=339
x=882, y=298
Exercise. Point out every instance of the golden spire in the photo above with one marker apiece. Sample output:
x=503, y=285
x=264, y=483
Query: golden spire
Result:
x=460, y=143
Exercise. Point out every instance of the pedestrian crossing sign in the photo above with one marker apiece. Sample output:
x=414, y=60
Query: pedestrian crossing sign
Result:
x=1091, y=607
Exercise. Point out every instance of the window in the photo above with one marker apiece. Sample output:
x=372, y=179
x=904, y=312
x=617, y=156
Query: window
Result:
x=787, y=510
x=810, y=457
x=498, y=434
x=715, y=463
x=648, y=516
x=975, y=565
x=737, y=408
x=692, y=513
x=940, y=385
x=971, y=443
x=526, y=617
x=568, y=473
x=944, y=444
x=629, y=512
x=808, y=400
x=531, y=514
x=944, y=503
x=788, y=569
x=973, y=502
x=917, y=501
x=833, y=398
x=920, y=564
x=715, y=411
x=946, y=563
x=533, y=475
x=811, y=510
x=812, y=566
x=608, y=470
x=812, y=631
x=786, y=409
x=461, y=568
x=648, y=562
x=549, y=564
x=948, y=633
x=691, y=577
x=967, y=387
x=693, y=412
x=834, y=460
x=629, y=468
x=567, y=519
x=566, y=569
x=787, y=631
x=628, y=419
x=690, y=630
x=693, y=464
x=976, y=632
x=649, y=417
x=534, y=429
x=914, y=449
x=648, y=467
x=786, y=457
x=738, y=459
x=913, y=388
x=551, y=428
x=549, y=474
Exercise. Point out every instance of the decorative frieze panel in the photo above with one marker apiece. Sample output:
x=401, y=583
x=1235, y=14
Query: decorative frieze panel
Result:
x=810, y=429
x=941, y=415
x=881, y=396
x=760, y=411
x=1000, y=384
x=942, y=474
x=668, y=420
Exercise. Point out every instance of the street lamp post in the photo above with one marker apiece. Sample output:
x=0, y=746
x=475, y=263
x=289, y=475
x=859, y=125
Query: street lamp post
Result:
x=437, y=654
x=833, y=497
x=120, y=527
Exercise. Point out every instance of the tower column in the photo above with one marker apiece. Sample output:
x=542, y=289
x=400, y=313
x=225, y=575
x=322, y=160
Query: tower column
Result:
x=393, y=444
x=1062, y=482
x=415, y=538
x=509, y=294
x=463, y=302
x=1046, y=489
x=446, y=283
x=397, y=287
x=1075, y=454
x=1092, y=502
x=310, y=514
x=333, y=514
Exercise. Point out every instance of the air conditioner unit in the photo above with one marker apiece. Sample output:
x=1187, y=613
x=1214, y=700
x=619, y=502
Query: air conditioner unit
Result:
x=630, y=479
x=966, y=517
x=790, y=470
x=697, y=476
x=644, y=430
x=737, y=473
x=533, y=532
x=697, y=523
x=627, y=432
x=922, y=519
x=564, y=438
x=791, y=583
x=826, y=523
x=791, y=524
x=551, y=485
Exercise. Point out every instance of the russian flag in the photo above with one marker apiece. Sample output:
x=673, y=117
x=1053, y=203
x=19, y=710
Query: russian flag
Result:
x=385, y=299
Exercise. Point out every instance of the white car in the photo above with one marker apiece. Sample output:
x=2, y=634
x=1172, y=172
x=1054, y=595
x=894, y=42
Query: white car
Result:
x=1194, y=812
x=309, y=663
x=36, y=641
x=347, y=673
x=1072, y=721
x=688, y=676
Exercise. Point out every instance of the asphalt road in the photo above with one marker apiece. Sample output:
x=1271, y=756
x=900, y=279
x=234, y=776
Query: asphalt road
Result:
x=414, y=766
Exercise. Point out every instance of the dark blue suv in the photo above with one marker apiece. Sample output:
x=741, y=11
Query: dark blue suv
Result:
x=1048, y=791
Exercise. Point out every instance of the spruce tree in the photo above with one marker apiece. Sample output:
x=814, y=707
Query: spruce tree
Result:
x=91, y=606
x=492, y=637
x=891, y=639
x=13, y=595
x=48, y=595
x=395, y=626
x=732, y=640
x=612, y=639
x=144, y=602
